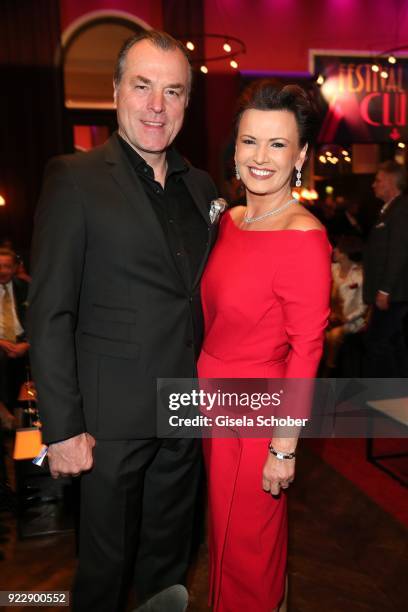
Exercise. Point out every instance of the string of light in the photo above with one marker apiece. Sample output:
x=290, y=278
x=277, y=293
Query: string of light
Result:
x=230, y=47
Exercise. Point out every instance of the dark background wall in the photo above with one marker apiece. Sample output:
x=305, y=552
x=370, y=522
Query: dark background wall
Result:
x=30, y=108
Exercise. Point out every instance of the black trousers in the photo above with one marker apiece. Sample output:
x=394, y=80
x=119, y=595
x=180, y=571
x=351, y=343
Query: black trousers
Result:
x=385, y=351
x=136, y=520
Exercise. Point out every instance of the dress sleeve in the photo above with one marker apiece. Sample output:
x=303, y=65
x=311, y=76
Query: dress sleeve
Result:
x=302, y=285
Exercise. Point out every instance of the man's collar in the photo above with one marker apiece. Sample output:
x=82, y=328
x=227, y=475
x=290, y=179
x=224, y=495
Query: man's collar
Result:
x=175, y=162
x=389, y=202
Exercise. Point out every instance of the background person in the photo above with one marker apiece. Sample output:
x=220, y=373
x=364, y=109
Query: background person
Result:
x=386, y=277
x=348, y=311
x=13, y=342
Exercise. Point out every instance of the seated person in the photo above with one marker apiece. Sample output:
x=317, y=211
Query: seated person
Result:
x=21, y=271
x=13, y=344
x=348, y=311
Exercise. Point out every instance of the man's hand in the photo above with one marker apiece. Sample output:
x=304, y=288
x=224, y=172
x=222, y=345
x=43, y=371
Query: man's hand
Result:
x=7, y=346
x=277, y=474
x=382, y=300
x=18, y=350
x=14, y=349
x=71, y=457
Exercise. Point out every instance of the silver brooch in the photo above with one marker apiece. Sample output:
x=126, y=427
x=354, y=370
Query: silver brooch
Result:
x=216, y=209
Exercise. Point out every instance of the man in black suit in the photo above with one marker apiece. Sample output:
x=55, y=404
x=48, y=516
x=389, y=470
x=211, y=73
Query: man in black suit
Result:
x=386, y=276
x=122, y=235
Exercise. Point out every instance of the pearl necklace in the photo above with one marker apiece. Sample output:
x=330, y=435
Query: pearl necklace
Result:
x=275, y=211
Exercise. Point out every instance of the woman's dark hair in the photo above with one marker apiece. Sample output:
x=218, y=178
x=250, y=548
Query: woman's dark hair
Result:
x=268, y=95
x=352, y=246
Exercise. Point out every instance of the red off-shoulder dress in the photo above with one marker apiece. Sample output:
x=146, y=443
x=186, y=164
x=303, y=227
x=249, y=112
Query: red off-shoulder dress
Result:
x=266, y=302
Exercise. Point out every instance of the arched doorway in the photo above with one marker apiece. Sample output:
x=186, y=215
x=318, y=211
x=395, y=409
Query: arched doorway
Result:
x=89, y=50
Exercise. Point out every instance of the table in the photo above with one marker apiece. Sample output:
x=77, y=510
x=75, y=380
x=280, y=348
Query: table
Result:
x=395, y=409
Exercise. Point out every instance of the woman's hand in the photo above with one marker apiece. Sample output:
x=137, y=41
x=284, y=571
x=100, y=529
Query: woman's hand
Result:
x=277, y=474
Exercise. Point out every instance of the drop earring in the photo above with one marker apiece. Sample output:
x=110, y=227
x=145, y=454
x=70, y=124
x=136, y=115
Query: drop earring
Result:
x=298, y=178
x=237, y=174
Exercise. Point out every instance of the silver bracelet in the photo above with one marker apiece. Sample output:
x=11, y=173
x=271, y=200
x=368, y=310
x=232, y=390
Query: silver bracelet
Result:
x=279, y=455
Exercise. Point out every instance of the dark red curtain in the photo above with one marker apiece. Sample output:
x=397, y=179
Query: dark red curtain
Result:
x=31, y=107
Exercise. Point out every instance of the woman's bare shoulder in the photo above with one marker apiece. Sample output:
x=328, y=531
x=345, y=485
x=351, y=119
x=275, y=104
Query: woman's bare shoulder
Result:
x=304, y=221
x=237, y=212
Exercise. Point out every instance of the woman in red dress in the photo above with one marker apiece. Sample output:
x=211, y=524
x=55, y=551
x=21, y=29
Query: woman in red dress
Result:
x=265, y=295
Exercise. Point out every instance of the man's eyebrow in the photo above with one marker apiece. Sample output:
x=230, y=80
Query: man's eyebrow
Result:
x=176, y=86
x=139, y=77
x=146, y=81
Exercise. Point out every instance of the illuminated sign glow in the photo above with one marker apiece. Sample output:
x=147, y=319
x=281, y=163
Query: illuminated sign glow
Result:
x=362, y=104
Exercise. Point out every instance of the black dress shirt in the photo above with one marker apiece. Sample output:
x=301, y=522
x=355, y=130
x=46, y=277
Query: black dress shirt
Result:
x=179, y=217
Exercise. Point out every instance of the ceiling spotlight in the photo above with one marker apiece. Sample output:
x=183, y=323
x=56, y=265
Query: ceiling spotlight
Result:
x=2, y=201
x=384, y=74
x=344, y=152
x=347, y=158
x=375, y=68
x=233, y=64
x=392, y=60
x=329, y=189
x=328, y=153
x=320, y=79
x=190, y=46
x=401, y=145
x=322, y=159
x=204, y=69
x=227, y=47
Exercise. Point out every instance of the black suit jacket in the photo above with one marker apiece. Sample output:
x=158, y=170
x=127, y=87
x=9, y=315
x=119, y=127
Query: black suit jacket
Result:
x=109, y=311
x=386, y=254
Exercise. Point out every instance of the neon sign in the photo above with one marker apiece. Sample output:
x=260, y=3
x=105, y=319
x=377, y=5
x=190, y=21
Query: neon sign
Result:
x=362, y=105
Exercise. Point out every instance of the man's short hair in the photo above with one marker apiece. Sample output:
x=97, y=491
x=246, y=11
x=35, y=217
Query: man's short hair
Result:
x=161, y=40
x=397, y=170
x=6, y=252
